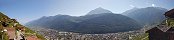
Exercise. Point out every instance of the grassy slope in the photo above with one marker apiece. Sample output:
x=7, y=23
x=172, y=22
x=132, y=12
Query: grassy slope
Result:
x=141, y=37
x=7, y=20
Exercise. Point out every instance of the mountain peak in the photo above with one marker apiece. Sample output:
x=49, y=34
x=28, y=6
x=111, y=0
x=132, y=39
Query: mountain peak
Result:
x=99, y=10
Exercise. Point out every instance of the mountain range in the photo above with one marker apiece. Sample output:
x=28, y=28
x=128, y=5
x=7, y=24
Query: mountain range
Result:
x=101, y=20
x=147, y=16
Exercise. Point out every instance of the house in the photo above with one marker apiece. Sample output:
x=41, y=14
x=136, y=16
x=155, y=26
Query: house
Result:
x=170, y=13
x=159, y=33
x=170, y=33
x=164, y=31
x=11, y=33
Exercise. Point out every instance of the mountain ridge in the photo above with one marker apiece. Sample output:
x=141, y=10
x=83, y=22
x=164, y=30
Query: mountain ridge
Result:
x=89, y=23
x=95, y=20
x=147, y=16
x=98, y=11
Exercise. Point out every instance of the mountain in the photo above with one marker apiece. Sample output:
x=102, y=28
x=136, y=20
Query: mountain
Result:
x=99, y=11
x=107, y=23
x=147, y=16
x=92, y=24
x=130, y=11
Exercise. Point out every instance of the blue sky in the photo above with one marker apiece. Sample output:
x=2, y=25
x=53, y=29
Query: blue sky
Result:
x=28, y=10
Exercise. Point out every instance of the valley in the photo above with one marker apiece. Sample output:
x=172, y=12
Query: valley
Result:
x=51, y=34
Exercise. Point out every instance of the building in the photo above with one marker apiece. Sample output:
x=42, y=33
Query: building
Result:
x=11, y=33
x=158, y=33
x=170, y=13
x=163, y=31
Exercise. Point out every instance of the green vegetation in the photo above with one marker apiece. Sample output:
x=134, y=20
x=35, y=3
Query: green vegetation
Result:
x=27, y=30
x=2, y=16
x=31, y=32
x=88, y=24
x=170, y=22
x=5, y=37
x=5, y=21
x=40, y=36
x=141, y=37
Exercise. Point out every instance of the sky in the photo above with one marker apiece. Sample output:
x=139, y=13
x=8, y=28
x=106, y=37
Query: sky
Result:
x=28, y=10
